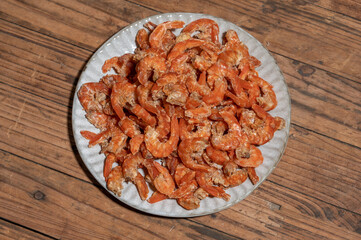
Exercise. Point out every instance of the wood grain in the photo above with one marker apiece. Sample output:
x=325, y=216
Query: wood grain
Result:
x=47, y=193
x=9, y=231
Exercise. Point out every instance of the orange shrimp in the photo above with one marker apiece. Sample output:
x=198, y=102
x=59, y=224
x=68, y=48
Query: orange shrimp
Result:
x=92, y=96
x=183, y=174
x=164, y=122
x=129, y=127
x=98, y=119
x=203, y=111
x=217, y=94
x=255, y=159
x=143, y=114
x=142, y=39
x=162, y=149
x=110, y=79
x=122, y=93
x=208, y=29
x=181, y=47
x=230, y=140
x=117, y=141
x=157, y=35
x=189, y=202
x=176, y=94
x=144, y=99
x=135, y=142
x=204, y=181
x=108, y=164
x=122, y=65
x=115, y=180
x=259, y=130
x=163, y=182
x=185, y=189
x=149, y=65
x=207, y=57
x=189, y=149
x=157, y=197
x=186, y=130
x=199, y=86
x=130, y=172
x=234, y=175
x=267, y=100
x=252, y=175
x=172, y=164
x=217, y=156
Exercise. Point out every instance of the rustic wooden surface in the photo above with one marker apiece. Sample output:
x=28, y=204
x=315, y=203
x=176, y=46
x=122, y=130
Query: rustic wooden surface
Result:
x=47, y=193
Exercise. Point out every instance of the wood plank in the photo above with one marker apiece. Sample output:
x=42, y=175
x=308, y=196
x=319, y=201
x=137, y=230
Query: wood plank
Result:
x=351, y=8
x=319, y=167
x=74, y=22
x=12, y=231
x=67, y=208
x=331, y=44
x=72, y=206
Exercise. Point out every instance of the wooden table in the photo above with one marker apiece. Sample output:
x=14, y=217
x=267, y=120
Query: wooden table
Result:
x=47, y=193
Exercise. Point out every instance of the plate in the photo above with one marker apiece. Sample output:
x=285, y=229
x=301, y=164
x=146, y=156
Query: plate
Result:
x=124, y=42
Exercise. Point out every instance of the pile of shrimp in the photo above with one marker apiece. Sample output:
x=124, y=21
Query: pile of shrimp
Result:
x=182, y=115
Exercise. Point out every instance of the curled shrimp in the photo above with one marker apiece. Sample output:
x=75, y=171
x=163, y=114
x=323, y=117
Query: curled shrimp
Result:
x=98, y=119
x=260, y=130
x=149, y=65
x=255, y=159
x=92, y=96
x=217, y=94
x=129, y=127
x=176, y=94
x=204, y=181
x=203, y=111
x=130, y=172
x=142, y=39
x=252, y=175
x=115, y=180
x=122, y=65
x=199, y=86
x=234, y=176
x=122, y=93
x=267, y=100
x=230, y=140
x=207, y=28
x=181, y=47
x=189, y=149
x=135, y=142
x=163, y=182
x=157, y=35
x=186, y=131
x=162, y=149
x=217, y=156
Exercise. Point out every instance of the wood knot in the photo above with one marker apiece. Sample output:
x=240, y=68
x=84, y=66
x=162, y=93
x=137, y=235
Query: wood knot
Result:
x=269, y=7
x=38, y=195
x=306, y=70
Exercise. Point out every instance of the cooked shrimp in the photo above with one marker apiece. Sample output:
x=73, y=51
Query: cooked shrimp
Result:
x=230, y=140
x=143, y=93
x=92, y=96
x=204, y=181
x=234, y=175
x=203, y=111
x=122, y=93
x=163, y=182
x=143, y=114
x=189, y=202
x=199, y=86
x=217, y=94
x=252, y=175
x=142, y=39
x=135, y=142
x=149, y=65
x=207, y=28
x=189, y=149
x=157, y=197
x=217, y=156
x=176, y=94
x=98, y=119
x=267, y=100
x=108, y=164
x=255, y=159
x=186, y=130
x=130, y=172
x=162, y=149
x=157, y=35
x=181, y=47
x=115, y=180
x=122, y=65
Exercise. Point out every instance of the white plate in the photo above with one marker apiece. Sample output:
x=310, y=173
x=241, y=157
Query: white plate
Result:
x=124, y=42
